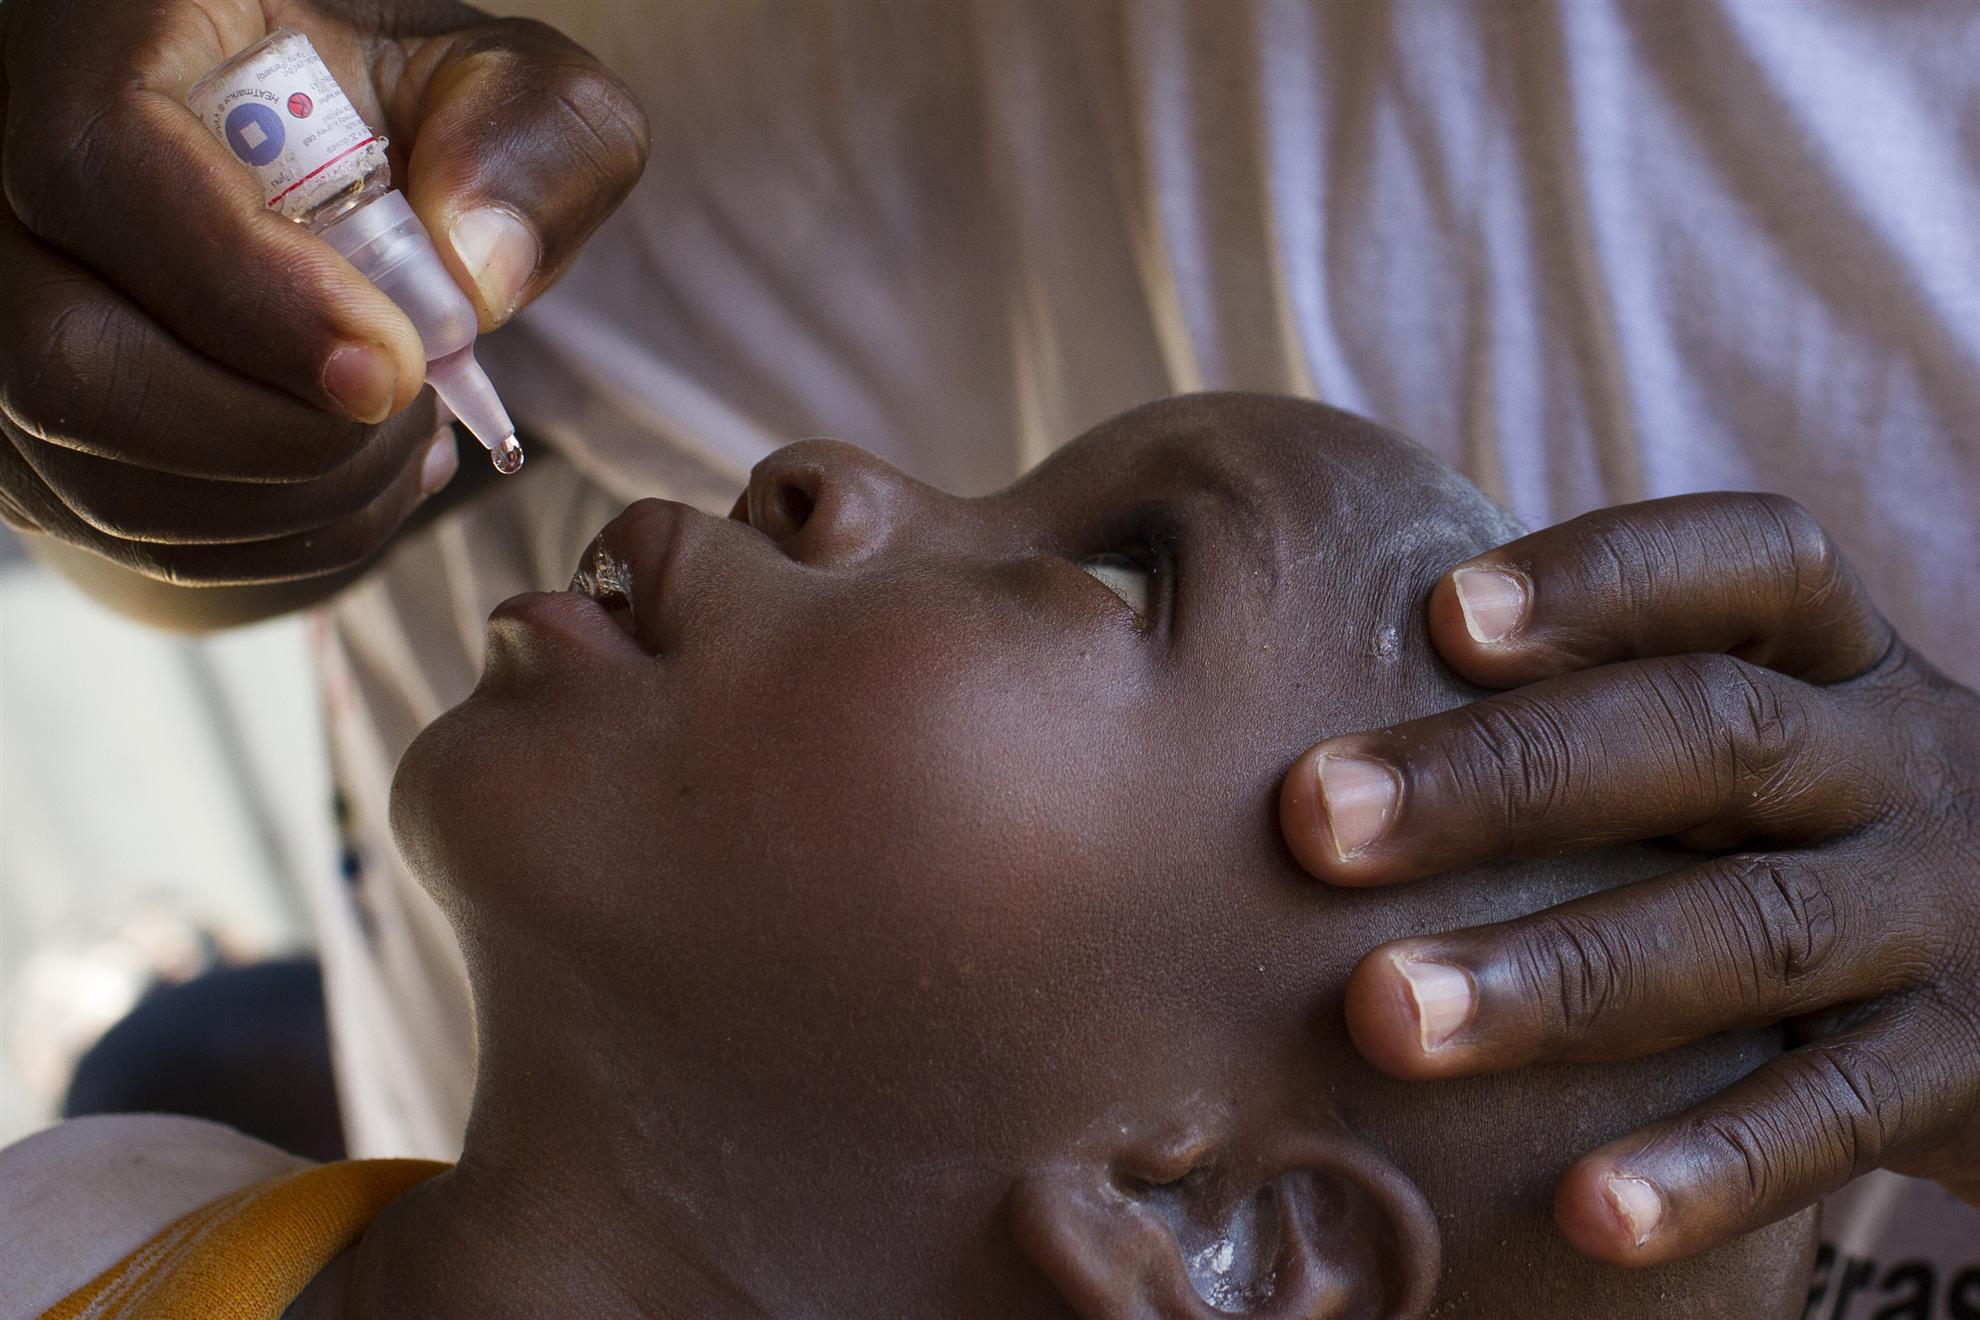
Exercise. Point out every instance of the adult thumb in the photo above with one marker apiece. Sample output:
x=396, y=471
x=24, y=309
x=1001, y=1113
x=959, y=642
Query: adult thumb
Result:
x=523, y=145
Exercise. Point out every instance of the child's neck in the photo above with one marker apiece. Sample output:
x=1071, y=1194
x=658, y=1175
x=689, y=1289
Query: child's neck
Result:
x=438, y=1255
x=454, y=1247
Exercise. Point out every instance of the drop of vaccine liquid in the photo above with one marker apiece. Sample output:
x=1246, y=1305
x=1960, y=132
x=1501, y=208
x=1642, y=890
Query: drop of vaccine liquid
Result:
x=507, y=457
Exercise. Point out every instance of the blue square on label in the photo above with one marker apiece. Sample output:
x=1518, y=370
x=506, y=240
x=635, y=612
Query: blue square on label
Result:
x=255, y=132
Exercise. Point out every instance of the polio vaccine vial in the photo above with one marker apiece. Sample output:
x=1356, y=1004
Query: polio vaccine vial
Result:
x=277, y=108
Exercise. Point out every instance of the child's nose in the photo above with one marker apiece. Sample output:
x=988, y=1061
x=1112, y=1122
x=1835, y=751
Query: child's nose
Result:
x=828, y=503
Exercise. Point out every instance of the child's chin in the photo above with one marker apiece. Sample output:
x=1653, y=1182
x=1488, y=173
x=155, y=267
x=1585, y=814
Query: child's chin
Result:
x=448, y=783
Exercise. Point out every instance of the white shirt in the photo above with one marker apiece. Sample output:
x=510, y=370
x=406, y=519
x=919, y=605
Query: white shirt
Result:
x=78, y=1197
x=1588, y=252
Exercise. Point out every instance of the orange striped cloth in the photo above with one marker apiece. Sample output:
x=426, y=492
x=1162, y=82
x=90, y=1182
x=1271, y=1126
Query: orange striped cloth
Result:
x=249, y=1254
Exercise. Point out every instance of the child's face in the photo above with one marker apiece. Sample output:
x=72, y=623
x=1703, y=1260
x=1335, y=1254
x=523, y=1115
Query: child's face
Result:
x=908, y=842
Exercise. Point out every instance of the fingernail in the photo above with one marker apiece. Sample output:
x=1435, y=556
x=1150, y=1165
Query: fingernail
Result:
x=363, y=381
x=500, y=252
x=1493, y=601
x=1443, y=997
x=1638, y=1204
x=442, y=460
x=1360, y=797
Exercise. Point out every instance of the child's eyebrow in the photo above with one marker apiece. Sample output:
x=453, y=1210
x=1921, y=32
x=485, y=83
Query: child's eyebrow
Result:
x=1252, y=513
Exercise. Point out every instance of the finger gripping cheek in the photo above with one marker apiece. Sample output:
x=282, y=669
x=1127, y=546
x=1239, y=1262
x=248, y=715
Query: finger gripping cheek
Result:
x=1611, y=1214
x=1407, y=1013
x=1337, y=808
x=1750, y=575
x=1493, y=601
x=1489, y=621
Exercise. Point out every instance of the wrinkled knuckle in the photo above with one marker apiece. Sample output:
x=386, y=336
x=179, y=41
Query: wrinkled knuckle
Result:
x=1804, y=548
x=1773, y=727
x=1624, y=559
x=1786, y=919
x=1759, y=727
x=1512, y=753
x=1854, y=1097
x=1747, y=1141
x=1575, y=972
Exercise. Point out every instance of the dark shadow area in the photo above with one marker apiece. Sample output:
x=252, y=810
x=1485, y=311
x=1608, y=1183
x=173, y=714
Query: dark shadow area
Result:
x=245, y=1046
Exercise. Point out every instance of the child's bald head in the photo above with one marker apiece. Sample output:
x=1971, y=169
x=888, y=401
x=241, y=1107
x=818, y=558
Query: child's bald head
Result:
x=907, y=886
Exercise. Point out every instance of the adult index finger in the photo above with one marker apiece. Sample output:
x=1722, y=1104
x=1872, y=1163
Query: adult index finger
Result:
x=1726, y=943
x=1625, y=752
x=103, y=160
x=1750, y=575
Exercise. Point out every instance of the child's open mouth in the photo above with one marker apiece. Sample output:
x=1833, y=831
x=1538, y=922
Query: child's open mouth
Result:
x=608, y=581
x=625, y=570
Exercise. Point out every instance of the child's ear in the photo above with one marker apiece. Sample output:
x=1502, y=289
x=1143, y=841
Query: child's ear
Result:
x=1319, y=1227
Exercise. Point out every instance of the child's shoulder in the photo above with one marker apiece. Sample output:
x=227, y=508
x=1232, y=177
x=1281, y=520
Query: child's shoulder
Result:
x=79, y=1196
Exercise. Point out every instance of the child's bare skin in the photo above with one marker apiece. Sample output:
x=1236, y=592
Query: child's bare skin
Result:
x=897, y=923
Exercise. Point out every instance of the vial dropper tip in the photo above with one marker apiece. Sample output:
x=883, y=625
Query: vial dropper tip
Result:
x=506, y=456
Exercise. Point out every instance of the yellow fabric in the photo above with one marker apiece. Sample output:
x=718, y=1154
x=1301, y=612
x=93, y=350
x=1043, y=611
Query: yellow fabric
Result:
x=249, y=1254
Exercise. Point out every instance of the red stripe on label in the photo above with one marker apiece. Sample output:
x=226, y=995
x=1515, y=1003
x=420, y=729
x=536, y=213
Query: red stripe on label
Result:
x=320, y=168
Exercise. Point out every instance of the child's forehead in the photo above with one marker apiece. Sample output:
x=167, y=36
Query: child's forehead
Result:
x=1328, y=492
x=1309, y=545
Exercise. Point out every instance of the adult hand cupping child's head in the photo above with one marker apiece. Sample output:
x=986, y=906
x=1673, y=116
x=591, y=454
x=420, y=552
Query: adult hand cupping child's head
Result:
x=1706, y=667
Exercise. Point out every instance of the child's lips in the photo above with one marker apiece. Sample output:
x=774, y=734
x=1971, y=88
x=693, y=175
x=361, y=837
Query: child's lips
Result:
x=573, y=616
x=625, y=568
x=608, y=581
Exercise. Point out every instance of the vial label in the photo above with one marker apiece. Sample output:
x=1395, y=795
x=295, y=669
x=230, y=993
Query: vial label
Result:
x=279, y=111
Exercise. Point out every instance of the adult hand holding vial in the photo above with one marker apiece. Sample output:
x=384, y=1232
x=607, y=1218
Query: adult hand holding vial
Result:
x=282, y=114
x=201, y=391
